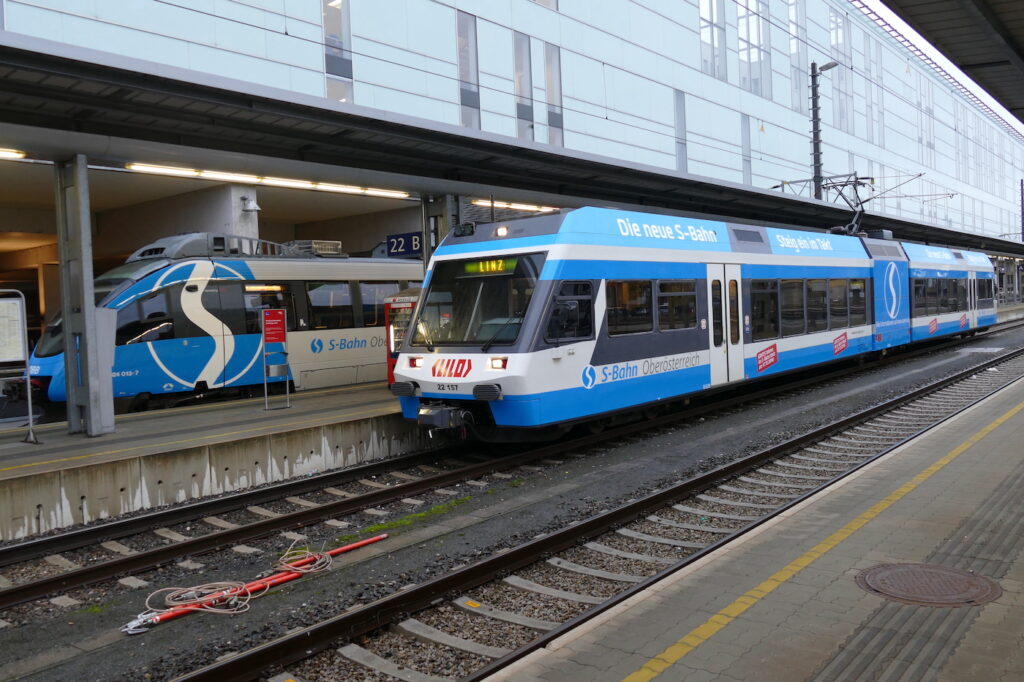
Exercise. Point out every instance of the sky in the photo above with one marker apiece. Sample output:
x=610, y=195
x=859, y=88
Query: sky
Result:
x=888, y=15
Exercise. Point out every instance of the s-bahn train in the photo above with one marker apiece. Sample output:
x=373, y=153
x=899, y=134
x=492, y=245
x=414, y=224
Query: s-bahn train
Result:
x=188, y=317
x=526, y=327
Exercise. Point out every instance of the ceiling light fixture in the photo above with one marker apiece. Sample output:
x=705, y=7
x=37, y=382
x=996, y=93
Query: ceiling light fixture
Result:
x=162, y=170
x=11, y=154
x=513, y=206
x=285, y=182
x=229, y=177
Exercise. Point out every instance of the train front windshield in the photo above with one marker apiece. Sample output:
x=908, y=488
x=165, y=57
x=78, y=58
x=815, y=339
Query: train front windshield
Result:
x=105, y=285
x=477, y=301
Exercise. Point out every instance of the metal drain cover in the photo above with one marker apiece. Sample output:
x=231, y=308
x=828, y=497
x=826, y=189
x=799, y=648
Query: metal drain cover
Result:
x=928, y=585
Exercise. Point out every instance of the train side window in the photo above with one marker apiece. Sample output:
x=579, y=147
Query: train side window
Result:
x=793, y=318
x=373, y=295
x=817, y=305
x=572, y=315
x=838, y=306
x=629, y=307
x=145, y=320
x=920, y=301
x=961, y=294
x=764, y=309
x=986, y=292
x=266, y=296
x=677, y=305
x=221, y=299
x=330, y=305
x=858, y=302
x=734, y=312
x=717, y=334
x=931, y=294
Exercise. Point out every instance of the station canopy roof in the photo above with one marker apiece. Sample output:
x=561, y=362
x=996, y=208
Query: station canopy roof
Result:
x=984, y=38
x=89, y=96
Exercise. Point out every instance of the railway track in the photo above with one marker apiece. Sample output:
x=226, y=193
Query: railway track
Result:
x=120, y=548
x=474, y=621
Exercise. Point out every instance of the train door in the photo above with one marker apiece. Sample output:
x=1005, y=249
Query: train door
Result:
x=725, y=330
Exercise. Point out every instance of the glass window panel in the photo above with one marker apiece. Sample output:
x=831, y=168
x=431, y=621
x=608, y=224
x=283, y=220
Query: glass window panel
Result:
x=677, y=305
x=838, y=306
x=792, y=294
x=858, y=302
x=817, y=305
x=330, y=305
x=629, y=306
x=734, y=312
x=373, y=295
x=764, y=309
x=717, y=331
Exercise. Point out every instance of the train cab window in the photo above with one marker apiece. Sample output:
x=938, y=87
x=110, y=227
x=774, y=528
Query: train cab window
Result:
x=764, y=309
x=677, y=305
x=330, y=305
x=222, y=299
x=717, y=333
x=572, y=314
x=792, y=294
x=838, y=306
x=817, y=305
x=629, y=307
x=266, y=296
x=858, y=302
x=145, y=320
x=372, y=295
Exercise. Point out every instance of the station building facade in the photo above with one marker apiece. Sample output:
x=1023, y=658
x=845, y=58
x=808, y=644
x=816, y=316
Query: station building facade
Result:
x=713, y=88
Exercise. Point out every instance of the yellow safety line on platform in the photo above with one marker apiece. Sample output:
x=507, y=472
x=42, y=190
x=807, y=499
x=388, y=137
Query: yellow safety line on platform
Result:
x=705, y=631
x=175, y=442
x=308, y=393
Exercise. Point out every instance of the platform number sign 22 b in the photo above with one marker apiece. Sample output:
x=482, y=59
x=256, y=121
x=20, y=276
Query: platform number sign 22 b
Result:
x=404, y=245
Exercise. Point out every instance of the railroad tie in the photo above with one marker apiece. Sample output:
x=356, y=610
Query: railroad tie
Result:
x=421, y=631
x=594, y=572
x=537, y=588
x=611, y=551
x=471, y=606
x=364, y=657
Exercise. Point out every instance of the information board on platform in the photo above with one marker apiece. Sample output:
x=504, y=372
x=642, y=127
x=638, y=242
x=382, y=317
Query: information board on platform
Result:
x=12, y=331
x=274, y=327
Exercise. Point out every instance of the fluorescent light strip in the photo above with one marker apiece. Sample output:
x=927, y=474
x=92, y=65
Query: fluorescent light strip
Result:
x=513, y=206
x=249, y=179
x=11, y=154
x=162, y=170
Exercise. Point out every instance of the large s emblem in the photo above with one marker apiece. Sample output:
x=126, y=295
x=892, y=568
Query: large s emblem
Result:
x=891, y=290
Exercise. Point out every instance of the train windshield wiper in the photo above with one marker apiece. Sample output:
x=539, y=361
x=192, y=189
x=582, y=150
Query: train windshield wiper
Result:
x=422, y=327
x=504, y=325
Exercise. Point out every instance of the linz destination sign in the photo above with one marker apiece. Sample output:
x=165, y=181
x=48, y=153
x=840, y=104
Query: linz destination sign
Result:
x=494, y=266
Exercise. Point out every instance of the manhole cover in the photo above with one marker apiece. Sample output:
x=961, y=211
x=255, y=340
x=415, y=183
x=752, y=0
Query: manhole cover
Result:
x=928, y=585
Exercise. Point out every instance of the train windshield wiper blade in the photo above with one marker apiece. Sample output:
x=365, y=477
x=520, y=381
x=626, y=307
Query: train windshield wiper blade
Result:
x=490, y=342
x=422, y=327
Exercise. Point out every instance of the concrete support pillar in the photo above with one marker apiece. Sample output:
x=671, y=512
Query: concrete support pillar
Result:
x=88, y=334
x=440, y=214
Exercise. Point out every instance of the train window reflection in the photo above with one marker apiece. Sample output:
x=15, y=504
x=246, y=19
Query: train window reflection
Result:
x=572, y=315
x=145, y=320
x=838, y=306
x=858, y=302
x=372, y=295
x=677, y=305
x=465, y=303
x=793, y=307
x=264, y=297
x=764, y=309
x=817, y=305
x=629, y=306
x=330, y=305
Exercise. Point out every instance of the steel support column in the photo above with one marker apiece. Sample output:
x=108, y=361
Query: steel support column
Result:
x=88, y=335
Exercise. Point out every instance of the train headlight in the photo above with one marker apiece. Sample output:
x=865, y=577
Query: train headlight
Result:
x=499, y=363
x=415, y=362
x=502, y=231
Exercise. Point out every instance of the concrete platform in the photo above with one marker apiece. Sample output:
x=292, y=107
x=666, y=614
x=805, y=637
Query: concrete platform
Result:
x=782, y=603
x=166, y=456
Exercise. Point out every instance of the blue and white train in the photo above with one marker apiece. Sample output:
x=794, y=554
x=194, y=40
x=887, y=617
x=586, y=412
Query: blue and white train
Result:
x=188, y=317
x=529, y=326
